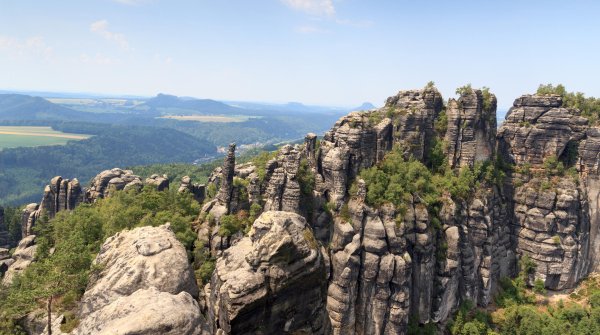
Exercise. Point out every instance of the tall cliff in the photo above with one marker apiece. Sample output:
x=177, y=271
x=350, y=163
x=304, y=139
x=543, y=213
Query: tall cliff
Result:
x=388, y=265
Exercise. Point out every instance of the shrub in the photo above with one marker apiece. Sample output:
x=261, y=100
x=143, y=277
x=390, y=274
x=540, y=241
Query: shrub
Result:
x=539, y=287
x=464, y=90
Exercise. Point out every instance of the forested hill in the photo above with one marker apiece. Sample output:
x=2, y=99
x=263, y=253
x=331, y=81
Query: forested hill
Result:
x=24, y=171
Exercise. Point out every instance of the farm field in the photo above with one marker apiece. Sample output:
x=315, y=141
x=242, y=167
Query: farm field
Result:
x=13, y=137
x=208, y=118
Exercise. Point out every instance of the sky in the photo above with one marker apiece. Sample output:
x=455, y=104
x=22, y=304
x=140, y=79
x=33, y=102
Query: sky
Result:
x=327, y=52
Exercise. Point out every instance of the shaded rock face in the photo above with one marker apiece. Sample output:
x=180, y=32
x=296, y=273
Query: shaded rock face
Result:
x=61, y=194
x=146, y=286
x=553, y=216
x=197, y=190
x=553, y=229
x=271, y=281
x=471, y=133
x=160, y=182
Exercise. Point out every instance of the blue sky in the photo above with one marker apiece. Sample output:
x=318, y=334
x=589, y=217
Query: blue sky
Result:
x=333, y=52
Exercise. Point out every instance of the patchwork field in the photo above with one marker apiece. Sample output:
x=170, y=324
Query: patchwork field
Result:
x=208, y=118
x=13, y=137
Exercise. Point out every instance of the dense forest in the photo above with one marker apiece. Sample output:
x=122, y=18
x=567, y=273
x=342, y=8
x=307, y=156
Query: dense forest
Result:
x=25, y=171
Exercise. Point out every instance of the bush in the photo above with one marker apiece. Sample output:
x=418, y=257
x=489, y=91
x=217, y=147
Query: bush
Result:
x=539, y=287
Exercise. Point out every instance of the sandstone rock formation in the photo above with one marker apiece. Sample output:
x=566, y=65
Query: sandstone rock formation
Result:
x=471, y=133
x=61, y=194
x=146, y=286
x=282, y=191
x=197, y=190
x=550, y=213
x=224, y=195
x=271, y=281
x=321, y=260
x=116, y=179
x=160, y=182
x=23, y=256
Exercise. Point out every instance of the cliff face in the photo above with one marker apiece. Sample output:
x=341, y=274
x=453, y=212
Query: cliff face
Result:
x=321, y=260
x=551, y=211
x=386, y=265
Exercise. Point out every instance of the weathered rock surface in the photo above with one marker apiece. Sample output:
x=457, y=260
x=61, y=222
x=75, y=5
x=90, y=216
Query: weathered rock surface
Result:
x=116, y=179
x=146, y=312
x=282, y=191
x=270, y=282
x=537, y=127
x=160, y=182
x=61, y=194
x=550, y=214
x=226, y=188
x=146, y=286
x=23, y=256
x=197, y=190
x=471, y=133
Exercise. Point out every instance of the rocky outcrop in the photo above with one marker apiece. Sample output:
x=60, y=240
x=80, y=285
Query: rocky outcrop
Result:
x=160, y=182
x=282, y=190
x=471, y=129
x=550, y=211
x=23, y=256
x=361, y=139
x=271, y=281
x=30, y=214
x=61, y=194
x=197, y=190
x=228, y=171
x=537, y=127
x=114, y=179
x=146, y=286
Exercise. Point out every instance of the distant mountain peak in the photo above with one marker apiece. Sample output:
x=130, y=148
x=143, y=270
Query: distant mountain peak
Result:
x=365, y=106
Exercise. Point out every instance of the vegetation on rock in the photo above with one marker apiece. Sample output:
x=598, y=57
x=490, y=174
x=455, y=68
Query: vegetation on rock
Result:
x=68, y=243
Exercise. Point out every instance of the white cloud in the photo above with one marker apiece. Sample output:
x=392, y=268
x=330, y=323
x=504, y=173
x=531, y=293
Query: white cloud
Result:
x=314, y=7
x=101, y=28
x=32, y=46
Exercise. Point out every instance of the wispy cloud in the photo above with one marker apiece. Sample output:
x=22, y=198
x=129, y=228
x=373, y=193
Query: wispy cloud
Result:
x=101, y=28
x=313, y=7
x=32, y=46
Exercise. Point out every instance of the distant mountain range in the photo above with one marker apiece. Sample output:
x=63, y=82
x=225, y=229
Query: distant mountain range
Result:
x=24, y=107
